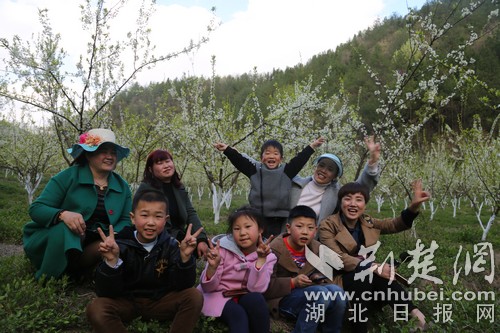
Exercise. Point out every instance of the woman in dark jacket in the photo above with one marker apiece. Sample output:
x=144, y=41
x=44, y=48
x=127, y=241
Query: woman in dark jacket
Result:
x=160, y=174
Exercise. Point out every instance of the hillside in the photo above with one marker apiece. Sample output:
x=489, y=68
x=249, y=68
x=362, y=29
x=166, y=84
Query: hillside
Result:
x=385, y=50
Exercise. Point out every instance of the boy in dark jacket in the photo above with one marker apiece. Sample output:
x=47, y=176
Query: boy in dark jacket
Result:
x=294, y=278
x=146, y=273
x=270, y=179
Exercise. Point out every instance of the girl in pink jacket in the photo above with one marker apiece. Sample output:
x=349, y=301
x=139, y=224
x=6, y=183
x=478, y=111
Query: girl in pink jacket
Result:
x=238, y=271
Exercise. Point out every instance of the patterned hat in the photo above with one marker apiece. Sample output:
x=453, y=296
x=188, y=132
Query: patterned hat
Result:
x=93, y=139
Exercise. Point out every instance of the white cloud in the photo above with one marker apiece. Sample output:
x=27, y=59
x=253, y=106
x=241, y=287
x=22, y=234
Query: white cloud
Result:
x=281, y=33
x=267, y=34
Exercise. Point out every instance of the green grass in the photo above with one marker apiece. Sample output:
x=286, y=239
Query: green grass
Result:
x=58, y=306
x=13, y=210
x=455, y=238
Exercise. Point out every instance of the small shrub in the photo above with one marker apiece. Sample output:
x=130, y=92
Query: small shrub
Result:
x=13, y=267
x=13, y=210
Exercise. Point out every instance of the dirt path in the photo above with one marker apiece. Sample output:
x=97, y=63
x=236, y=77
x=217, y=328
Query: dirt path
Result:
x=10, y=249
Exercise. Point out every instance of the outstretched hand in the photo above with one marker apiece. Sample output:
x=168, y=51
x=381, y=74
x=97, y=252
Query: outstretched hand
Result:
x=373, y=148
x=108, y=248
x=188, y=244
x=220, y=146
x=318, y=142
x=419, y=195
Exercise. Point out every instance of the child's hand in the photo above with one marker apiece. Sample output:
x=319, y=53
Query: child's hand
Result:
x=374, y=149
x=108, y=247
x=213, y=254
x=188, y=244
x=263, y=249
x=220, y=146
x=213, y=259
x=419, y=196
x=318, y=142
x=301, y=281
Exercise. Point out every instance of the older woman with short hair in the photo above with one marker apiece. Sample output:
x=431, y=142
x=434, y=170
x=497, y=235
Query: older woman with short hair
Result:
x=320, y=190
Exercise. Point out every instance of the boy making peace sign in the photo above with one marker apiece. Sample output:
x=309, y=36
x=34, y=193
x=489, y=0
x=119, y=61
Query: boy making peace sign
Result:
x=146, y=273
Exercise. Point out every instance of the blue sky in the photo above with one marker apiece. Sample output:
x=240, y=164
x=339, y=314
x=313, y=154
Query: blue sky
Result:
x=225, y=8
x=261, y=34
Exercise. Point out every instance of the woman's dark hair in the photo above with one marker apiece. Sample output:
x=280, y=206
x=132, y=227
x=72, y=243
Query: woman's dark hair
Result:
x=154, y=157
x=271, y=143
x=81, y=159
x=351, y=188
x=247, y=211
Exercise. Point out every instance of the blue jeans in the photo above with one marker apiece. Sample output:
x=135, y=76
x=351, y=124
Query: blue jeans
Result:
x=330, y=302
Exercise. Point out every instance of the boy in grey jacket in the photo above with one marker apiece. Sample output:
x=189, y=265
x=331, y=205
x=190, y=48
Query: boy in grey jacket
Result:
x=270, y=180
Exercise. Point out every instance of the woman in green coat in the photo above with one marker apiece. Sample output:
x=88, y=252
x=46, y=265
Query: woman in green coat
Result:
x=62, y=236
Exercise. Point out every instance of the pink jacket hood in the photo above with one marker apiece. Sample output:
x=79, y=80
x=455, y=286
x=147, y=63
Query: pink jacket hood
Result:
x=235, y=271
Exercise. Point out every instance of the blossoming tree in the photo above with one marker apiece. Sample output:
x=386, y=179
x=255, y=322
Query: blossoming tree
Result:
x=38, y=72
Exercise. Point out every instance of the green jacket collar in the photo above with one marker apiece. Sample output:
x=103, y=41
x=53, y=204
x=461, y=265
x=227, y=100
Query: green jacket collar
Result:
x=85, y=177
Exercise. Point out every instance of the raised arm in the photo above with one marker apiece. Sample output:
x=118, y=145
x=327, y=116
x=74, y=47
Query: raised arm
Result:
x=240, y=162
x=371, y=172
x=419, y=196
x=317, y=143
x=373, y=148
x=296, y=164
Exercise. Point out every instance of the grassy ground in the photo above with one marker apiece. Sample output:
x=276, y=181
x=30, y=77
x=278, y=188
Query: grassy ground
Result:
x=58, y=306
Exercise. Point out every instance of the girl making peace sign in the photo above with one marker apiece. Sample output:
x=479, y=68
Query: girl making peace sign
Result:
x=238, y=271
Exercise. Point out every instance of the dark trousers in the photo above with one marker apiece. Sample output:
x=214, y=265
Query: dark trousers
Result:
x=274, y=226
x=250, y=314
x=182, y=307
x=378, y=284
